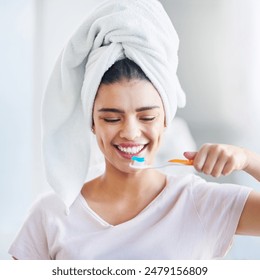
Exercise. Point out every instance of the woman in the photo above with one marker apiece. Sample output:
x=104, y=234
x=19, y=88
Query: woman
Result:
x=126, y=213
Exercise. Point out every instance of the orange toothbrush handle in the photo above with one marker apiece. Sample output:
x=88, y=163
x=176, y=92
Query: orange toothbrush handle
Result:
x=182, y=161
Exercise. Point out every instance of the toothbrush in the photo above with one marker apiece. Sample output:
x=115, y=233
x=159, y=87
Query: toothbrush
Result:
x=139, y=163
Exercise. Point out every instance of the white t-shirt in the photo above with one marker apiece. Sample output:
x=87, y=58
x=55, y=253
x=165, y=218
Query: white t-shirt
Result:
x=189, y=219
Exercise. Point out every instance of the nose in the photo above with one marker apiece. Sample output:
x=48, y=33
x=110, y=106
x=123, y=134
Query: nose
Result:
x=130, y=129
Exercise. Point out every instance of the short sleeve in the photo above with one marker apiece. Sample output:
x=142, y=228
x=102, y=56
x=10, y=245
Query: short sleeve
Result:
x=31, y=242
x=219, y=207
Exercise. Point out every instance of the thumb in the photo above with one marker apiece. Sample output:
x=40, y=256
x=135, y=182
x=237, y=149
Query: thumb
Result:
x=190, y=155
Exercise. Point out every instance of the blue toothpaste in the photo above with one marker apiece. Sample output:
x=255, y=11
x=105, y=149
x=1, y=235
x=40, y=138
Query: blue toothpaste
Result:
x=138, y=159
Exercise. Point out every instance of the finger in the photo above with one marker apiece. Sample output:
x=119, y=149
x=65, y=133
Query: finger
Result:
x=229, y=167
x=225, y=165
x=219, y=167
x=190, y=155
x=210, y=162
x=201, y=157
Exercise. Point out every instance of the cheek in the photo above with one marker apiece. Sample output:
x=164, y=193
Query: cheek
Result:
x=104, y=135
x=99, y=133
x=160, y=126
x=156, y=131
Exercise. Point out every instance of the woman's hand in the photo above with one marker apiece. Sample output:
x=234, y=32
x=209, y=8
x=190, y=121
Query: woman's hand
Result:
x=221, y=159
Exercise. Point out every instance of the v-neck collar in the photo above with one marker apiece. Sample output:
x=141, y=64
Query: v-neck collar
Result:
x=103, y=222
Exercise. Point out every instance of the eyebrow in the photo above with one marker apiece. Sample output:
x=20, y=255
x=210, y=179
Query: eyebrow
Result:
x=114, y=110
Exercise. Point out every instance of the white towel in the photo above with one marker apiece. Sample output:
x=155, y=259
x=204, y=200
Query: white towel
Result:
x=138, y=29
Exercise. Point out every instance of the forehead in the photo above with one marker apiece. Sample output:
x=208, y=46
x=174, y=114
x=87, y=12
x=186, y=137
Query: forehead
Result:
x=133, y=93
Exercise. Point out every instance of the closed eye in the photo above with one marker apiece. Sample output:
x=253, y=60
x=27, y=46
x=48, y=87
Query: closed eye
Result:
x=111, y=120
x=147, y=119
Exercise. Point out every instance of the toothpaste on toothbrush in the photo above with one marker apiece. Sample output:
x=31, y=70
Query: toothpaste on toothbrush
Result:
x=138, y=161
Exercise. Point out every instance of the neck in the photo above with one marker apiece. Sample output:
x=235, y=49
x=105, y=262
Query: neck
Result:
x=131, y=184
x=119, y=196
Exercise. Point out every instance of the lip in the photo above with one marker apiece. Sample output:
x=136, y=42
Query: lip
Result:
x=129, y=145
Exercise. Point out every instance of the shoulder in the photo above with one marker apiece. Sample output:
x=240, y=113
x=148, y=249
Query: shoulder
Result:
x=198, y=186
x=183, y=181
x=46, y=203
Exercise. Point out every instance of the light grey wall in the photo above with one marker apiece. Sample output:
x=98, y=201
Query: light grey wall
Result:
x=16, y=102
x=219, y=68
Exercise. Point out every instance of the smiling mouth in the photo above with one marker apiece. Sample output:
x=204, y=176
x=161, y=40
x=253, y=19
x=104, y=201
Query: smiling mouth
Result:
x=131, y=150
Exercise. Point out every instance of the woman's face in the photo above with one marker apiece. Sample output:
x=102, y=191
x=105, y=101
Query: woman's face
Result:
x=128, y=121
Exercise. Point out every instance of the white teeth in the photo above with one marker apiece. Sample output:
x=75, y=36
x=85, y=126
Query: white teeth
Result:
x=131, y=150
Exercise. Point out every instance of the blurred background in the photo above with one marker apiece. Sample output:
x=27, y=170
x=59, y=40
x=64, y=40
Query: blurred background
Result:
x=219, y=66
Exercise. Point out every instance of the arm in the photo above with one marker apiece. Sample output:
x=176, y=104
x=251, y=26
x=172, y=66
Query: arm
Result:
x=220, y=159
x=249, y=223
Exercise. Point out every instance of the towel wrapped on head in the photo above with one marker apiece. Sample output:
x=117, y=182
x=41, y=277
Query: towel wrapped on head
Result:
x=137, y=29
